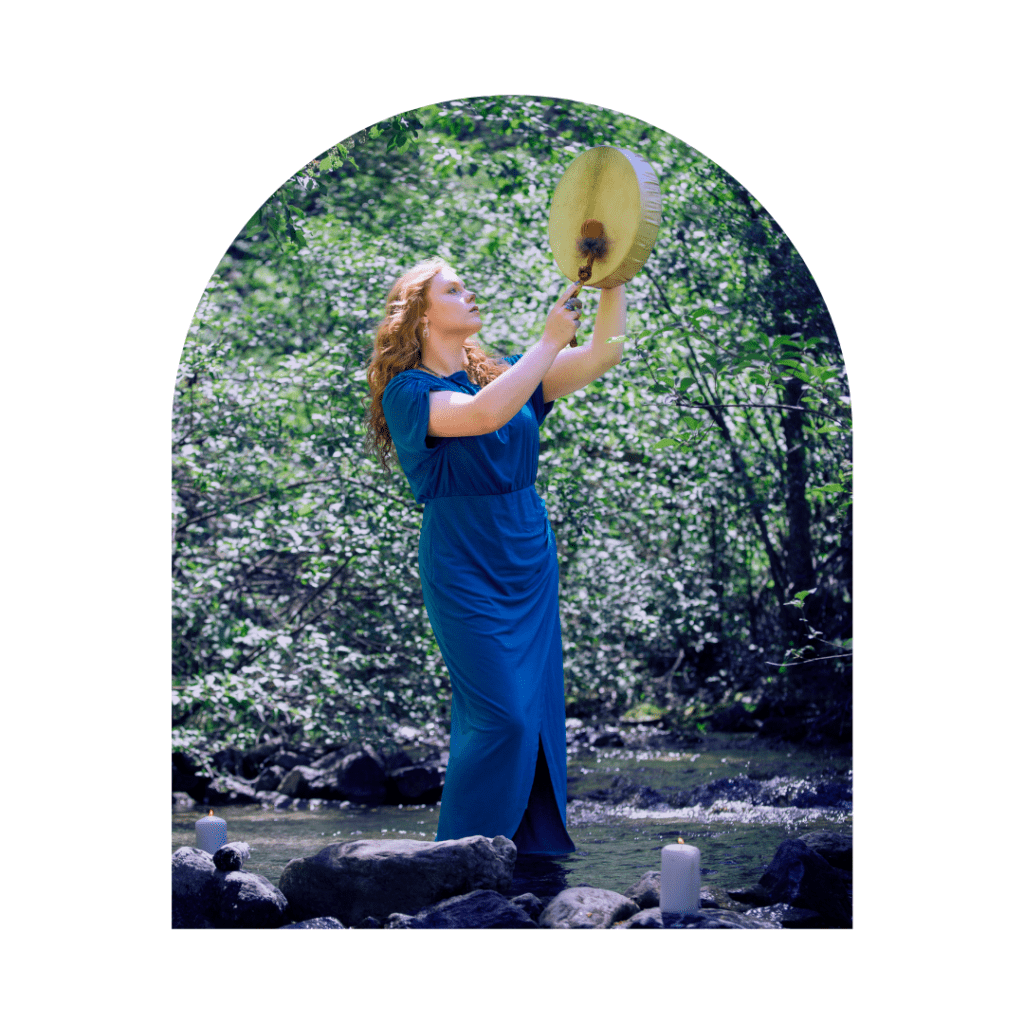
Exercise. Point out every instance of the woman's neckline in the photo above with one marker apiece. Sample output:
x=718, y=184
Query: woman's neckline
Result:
x=441, y=375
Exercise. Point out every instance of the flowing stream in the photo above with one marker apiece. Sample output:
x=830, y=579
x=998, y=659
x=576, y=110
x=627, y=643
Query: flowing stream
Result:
x=616, y=842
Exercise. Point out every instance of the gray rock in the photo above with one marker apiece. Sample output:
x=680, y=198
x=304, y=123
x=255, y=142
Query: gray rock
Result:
x=182, y=802
x=707, y=899
x=270, y=778
x=303, y=782
x=799, y=876
x=193, y=888
x=835, y=847
x=228, y=761
x=587, y=907
x=648, y=918
x=253, y=759
x=227, y=791
x=378, y=877
x=647, y=892
x=360, y=778
x=755, y=895
x=714, y=919
x=316, y=922
x=483, y=908
x=231, y=856
x=287, y=760
x=530, y=903
x=247, y=900
x=782, y=915
x=330, y=762
x=372, y=922
x=397, y=759
x=421, y=783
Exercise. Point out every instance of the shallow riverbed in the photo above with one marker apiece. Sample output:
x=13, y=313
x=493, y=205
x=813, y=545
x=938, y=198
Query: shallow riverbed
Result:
x=615, y=843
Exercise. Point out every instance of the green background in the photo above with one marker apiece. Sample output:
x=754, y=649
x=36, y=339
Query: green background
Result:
x=134, y=134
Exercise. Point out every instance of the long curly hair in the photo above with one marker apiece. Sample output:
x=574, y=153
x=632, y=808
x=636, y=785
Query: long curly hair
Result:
x=398, y=346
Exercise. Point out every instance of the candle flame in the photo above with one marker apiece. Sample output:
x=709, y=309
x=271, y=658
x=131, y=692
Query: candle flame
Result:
x=678, y=838
x=211, y=815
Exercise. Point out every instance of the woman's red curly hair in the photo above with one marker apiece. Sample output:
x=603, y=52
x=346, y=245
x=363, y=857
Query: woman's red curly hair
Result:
x=398, y=347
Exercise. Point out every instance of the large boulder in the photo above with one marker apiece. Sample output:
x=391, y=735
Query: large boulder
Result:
x=187, y=775
x=228, y=761
x=799, y=876
x=418, y=784
x=229, y=791
x=270, y=778
x=287, y=759
x=304, y=782
x=247, y=900
x=483, y=908
x=835, y=847
x=378, y=877
x=360, y=778
x=586, y=907
x=203, y=896
x=253, y=759
x=193, y=888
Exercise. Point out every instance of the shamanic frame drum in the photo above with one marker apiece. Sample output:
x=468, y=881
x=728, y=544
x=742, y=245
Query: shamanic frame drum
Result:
x=607, y=205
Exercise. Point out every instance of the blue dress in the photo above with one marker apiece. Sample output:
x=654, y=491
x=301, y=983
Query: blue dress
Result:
x=489, y=572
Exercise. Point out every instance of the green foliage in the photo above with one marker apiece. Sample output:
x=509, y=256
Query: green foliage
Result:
x=670, y=483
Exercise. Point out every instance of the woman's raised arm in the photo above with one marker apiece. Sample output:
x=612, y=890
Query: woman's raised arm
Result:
x=453, y=414
x=576, y=368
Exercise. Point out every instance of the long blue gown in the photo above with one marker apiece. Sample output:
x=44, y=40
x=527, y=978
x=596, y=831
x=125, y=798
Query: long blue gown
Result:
x=489, y=573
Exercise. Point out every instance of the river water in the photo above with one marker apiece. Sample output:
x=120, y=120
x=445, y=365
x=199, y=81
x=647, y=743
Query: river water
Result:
x=615, y=842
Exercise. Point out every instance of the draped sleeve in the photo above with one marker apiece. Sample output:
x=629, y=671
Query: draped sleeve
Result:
x=406, y=404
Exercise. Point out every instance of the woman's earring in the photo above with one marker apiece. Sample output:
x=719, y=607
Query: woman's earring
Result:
x=426, y=330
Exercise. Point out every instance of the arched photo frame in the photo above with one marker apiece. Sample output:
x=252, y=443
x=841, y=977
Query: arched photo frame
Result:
x=402, y=107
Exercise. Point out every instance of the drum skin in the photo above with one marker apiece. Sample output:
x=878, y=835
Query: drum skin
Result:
x=619, y=189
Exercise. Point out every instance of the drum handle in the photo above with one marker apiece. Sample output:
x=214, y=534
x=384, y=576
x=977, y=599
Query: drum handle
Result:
x=594, y=245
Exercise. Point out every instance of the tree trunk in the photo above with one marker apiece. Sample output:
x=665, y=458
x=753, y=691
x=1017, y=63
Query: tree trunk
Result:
x=799, y=567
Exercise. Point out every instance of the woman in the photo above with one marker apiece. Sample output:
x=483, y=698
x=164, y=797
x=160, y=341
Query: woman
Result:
x=464, y=427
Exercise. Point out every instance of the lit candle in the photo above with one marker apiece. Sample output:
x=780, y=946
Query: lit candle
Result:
x=211, y=833
x=680, y=879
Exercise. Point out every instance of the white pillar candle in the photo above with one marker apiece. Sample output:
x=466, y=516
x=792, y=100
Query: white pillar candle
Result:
x=680, y=879
x=211, y=833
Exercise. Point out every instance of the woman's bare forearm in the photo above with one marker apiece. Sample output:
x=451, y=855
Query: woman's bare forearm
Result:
x=506, y=395
x=610, y=322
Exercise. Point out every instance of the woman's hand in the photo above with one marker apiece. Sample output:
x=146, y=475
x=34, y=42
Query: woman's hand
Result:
x=562, y=323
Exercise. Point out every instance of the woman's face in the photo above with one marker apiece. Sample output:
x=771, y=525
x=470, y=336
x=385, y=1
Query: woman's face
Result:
x=451, y=309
